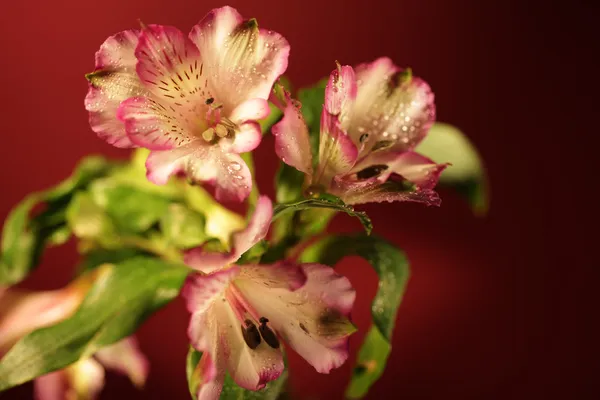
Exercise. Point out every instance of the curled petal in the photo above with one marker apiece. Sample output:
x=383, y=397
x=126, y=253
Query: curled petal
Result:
x=250, y=110
x=337, y=152
x=22, y=312
x=312, y=319
x=244, y=61
x=340, y=91
x=125, y=357
x=160, y=165
x=210, y=379
x=200, y=292
x=292, y=142
x=374, y=191
x=247, y=138
x=82, y=380
x=413, y=167
x=201, y=163
x=242, y=241
x=393, y=109
x=114, y=79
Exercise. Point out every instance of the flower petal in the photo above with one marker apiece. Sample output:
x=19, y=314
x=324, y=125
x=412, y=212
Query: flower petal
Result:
x=152, y=125
x=247, y=138
x=22, y=311
x=242, y=241
x=244, y=61
x=394, y=109
x=292, y=141
x=340, y=92
x=211, y=378
x=374, y=191
x=413, y=167
x=337, y=152
x=250, y=368
x=200, y=292
x=312, y=319
x=169, y=65
x=216, y=330
x=126, y=357
x=81, y=380
x=281, y=275
x=114, y=79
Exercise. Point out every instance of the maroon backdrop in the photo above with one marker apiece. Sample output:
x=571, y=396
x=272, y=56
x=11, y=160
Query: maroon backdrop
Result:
x=494, y=308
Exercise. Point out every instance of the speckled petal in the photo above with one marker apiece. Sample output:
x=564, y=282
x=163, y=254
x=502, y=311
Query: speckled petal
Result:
x=312, y=319
x=243, y=61
x=114, y=79
x=393, y=109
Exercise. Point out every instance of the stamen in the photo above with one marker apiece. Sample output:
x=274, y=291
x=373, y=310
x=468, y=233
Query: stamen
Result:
x=267, y=334
x=250, y=334
x=371, y=171
x=221, y=130
x=208, y=134
x=210, y=100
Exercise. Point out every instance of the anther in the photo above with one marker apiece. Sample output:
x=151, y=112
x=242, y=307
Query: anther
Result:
x=221, y=130
x=250, y=334
x=267, y=334
x=210, y=100
x=208, y=134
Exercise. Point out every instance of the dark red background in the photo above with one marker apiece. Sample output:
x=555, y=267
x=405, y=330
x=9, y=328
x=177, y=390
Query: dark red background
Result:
x=495, y=306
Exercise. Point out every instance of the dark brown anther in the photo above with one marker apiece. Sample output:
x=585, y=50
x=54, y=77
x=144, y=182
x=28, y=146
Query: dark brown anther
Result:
x=371, y=172
x=363, y=137
x=267, y=334
x=250, y=334
x=210, y=100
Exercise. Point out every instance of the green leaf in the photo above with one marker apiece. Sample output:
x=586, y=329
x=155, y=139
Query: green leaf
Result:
x=288, y=184
x=24, y=236
x=97, y=257
x=87, y=219
x=182, y=227
x=254, y=254
x=122, y=297
x=392, y=267
x=231, y=391
x=131, y=209
x=445, y=143
x=325, y=201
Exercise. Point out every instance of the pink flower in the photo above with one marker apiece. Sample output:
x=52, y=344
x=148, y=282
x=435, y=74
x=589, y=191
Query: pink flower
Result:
x=241, y=312
x=193, y=101
x=371, y=121
x=22, y=312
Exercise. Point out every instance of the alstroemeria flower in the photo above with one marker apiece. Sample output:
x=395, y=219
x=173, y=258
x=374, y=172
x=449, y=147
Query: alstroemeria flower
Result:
x=241, y=312
x=371, y=122
x=85, y=378
x=23, y=311
x=193, y=101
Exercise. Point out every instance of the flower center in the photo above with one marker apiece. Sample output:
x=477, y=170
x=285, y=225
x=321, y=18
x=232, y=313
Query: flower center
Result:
x=216, y=127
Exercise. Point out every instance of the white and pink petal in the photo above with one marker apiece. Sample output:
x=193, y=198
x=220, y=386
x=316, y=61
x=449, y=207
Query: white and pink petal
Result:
x=241, y=241
x=292, y=141
x=114, y=80
x=312, y=319
x=393, y=109
x=126, y=358
x=244, y=61
x=337, y=152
